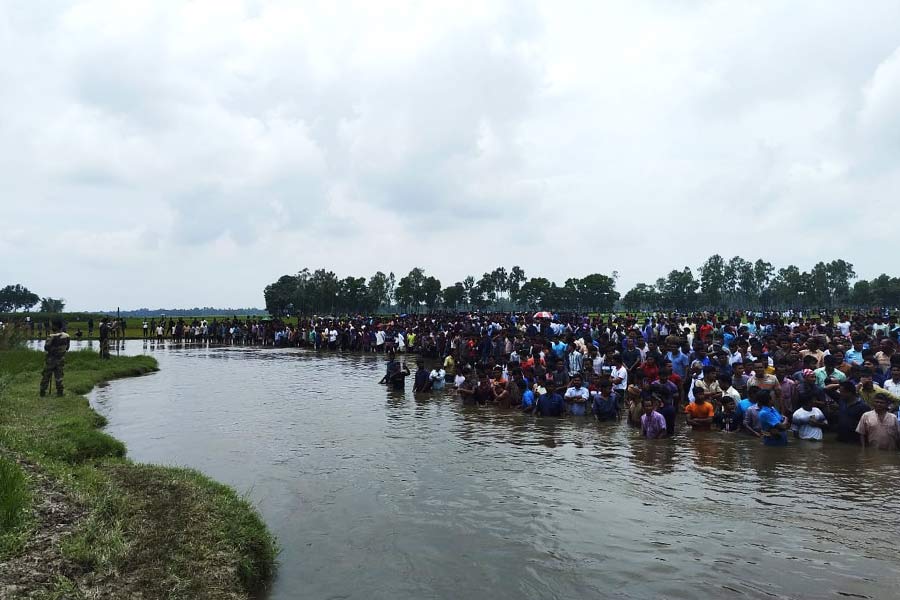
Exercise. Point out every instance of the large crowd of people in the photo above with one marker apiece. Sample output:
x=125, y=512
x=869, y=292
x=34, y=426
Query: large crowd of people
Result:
x=768, y=375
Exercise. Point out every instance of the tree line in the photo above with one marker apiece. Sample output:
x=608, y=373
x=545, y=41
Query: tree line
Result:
x=323, y=292
x=740, y=283
x=14, y=298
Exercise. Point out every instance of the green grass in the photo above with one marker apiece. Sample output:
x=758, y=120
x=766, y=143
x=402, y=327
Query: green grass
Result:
x=14, y=502
x=163, y=532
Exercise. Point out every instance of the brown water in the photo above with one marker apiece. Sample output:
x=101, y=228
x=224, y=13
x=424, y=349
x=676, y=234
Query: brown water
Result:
x=377, y=494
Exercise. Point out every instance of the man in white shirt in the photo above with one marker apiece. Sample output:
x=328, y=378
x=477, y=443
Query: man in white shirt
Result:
x=892, y=385
x=808, y=420
x=844, y=326
x=619, y=374
x=576, y=397
x=437, y=377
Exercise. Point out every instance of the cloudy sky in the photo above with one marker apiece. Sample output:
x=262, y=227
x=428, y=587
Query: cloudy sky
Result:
x=176, y=154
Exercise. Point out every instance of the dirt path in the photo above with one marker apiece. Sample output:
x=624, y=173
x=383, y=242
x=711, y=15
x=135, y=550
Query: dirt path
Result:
x=41, y=568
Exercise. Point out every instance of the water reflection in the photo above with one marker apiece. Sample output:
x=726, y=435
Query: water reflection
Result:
x=388, y=494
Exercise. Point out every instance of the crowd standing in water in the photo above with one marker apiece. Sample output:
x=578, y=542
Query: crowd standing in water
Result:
x=768, y=375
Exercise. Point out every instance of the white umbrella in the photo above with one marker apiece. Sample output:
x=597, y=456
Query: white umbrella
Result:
x=542, y=315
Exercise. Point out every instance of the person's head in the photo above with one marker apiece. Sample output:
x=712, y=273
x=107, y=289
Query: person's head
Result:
x=810, y=361
x=809, y=376
x=895, y=372
x=806, y=400
x=763, y=398
x=664, y=374
x=605, y=387
x=758, y=368
x=576, y=381
x=865, y=377
x=709, y=373
x=847, y=391
x=420, y=364
x=830, y=361
x=880, y=403
x=57, y=324
x=647, y=404
x=728, y=404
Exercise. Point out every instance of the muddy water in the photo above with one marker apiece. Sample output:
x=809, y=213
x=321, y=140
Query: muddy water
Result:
x=378, y=494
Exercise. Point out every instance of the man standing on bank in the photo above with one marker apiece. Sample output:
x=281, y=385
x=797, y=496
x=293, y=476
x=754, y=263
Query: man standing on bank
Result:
x=56, y=346
x=104, y=338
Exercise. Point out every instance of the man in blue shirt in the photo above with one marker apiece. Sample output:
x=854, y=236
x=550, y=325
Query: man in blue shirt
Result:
x=605, y=406
x=679, y=360
x=772, y=424
x=550, y=404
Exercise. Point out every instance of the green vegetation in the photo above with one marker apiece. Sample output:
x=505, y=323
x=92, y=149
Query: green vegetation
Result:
x=126, y=529
x=13, y=503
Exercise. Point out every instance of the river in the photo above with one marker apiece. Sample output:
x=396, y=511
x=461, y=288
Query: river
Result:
x=377, y=494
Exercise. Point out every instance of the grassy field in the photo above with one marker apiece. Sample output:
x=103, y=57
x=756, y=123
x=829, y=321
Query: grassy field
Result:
x=80, y=520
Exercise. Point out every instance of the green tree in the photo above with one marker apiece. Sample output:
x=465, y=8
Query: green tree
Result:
x=431, y=292
x=514, y=281
x=680, y=290
x=839, y=273
x=52, y=305
x=536, y=292
x=597, y=292
x=380, y=289
x=454, y=295
x=713, y=281
x=861, y=295
x=16, y=297
x=641, y=297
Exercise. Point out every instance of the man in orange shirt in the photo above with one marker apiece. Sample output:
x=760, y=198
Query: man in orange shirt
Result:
x=700, y=413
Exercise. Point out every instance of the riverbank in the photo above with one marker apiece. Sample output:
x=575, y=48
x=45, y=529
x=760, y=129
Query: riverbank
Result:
x=80, y=520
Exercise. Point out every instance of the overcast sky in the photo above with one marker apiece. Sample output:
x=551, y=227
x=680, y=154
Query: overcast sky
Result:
x=167, y=154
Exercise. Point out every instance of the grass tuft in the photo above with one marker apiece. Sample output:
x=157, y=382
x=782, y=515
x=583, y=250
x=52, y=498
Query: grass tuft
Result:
x=13, y=495
x=14, y=506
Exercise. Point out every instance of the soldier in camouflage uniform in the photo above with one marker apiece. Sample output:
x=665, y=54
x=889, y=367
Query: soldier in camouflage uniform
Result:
x=104, y=338
x=56, y=346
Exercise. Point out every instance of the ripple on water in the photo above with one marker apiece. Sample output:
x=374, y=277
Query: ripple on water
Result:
x=380, y=494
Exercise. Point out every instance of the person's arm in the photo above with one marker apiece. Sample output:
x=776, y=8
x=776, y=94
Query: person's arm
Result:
x=863, y=431
x=747, y=425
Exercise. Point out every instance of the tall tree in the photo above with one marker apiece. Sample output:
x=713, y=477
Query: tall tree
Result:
x=454, y=295
x=712, y=281
x=431, y=292
x=52, y=305
x=680, y=289
x=16, y=297
x=641, y=297
x=380, y=289
x=514, y=281
x=597, y=292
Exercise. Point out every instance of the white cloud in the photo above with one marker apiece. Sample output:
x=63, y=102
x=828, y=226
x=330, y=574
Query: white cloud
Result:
x=192, y=152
